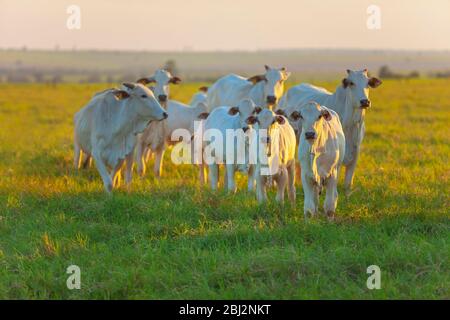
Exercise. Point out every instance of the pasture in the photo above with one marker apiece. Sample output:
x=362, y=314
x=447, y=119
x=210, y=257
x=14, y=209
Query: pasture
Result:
x=172, y=239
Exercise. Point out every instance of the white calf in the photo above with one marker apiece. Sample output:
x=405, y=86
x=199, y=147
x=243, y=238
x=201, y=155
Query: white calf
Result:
x=233, y=120
x=321, y=153
x=276, y=154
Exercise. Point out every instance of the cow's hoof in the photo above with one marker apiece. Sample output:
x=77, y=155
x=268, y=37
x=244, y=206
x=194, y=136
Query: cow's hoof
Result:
x=109, y=188
x=331, y=215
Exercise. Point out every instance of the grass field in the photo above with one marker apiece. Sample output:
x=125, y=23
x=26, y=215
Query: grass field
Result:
x=173, y=239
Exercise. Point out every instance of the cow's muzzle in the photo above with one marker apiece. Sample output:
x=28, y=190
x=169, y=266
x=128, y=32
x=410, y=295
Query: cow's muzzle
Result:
x=271, y=100
x=162, y=98
x=310, y=135
x=365, y=103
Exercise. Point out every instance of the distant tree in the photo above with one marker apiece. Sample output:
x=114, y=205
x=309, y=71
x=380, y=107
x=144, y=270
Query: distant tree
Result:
x=442, y=74
x=16, y=78
x=57, y=78
x=385, y=72
x=414, y=74
x=38, y=76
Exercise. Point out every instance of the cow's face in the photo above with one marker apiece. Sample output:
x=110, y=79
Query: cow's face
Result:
x=311, y=116
x=145, y=102
x=267, y=120
x=244, y=109
x=162, y=78
x=273, y=84
x=359, y=83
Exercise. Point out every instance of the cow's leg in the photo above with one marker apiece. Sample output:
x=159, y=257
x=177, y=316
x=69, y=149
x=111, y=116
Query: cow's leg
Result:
x=157, y=167
x=331, y=196
x=231, y=184
x=309, y=191
x=261, y=193
x=214, y=175
x=298, y=172
x=317, y=192
x=129, y=168
x=251, y=178
x=87, y=161
x=78, y=154
x=140, y=159
x=107, y=182
x=202, y=173
x=147, y=154
x=116, y=175
x=225, y=178
x=350, y=172
x=291, y=183
x=281, y=181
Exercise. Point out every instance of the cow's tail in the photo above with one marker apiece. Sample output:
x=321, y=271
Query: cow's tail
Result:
x=77, y=153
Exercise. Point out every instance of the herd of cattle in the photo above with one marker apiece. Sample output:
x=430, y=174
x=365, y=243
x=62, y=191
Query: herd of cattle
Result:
x=120, y=127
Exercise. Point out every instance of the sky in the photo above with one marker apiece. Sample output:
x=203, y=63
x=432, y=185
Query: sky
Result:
x=210, y=25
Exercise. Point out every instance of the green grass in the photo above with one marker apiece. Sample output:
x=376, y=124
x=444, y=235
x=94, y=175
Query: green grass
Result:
x=173, y=239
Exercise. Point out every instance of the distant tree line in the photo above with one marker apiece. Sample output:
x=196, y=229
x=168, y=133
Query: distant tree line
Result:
x=20, y=73
x=386, y=73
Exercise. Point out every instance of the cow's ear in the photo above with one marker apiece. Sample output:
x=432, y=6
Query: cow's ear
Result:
x=233, y=111
x=374, y=82
x=121, y=94
x=286, y=74
x=280, y=119
x=145, y=81
x=129, y=85
x=175, y=80
x=345, y=82
x=203, y=115
x=326, y=115
x=251, y=120
x=256, y=79
x=295, y=116
x=280, y=112
x=258, y=110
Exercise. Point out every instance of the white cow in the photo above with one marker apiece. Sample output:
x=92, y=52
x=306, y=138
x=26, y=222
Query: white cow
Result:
x=161, y=79
x=264, y=90
x=350, y=101
x=107, y=126
x=321, y=153
x=277, y=158
x=157, y=135
x=233, y=119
